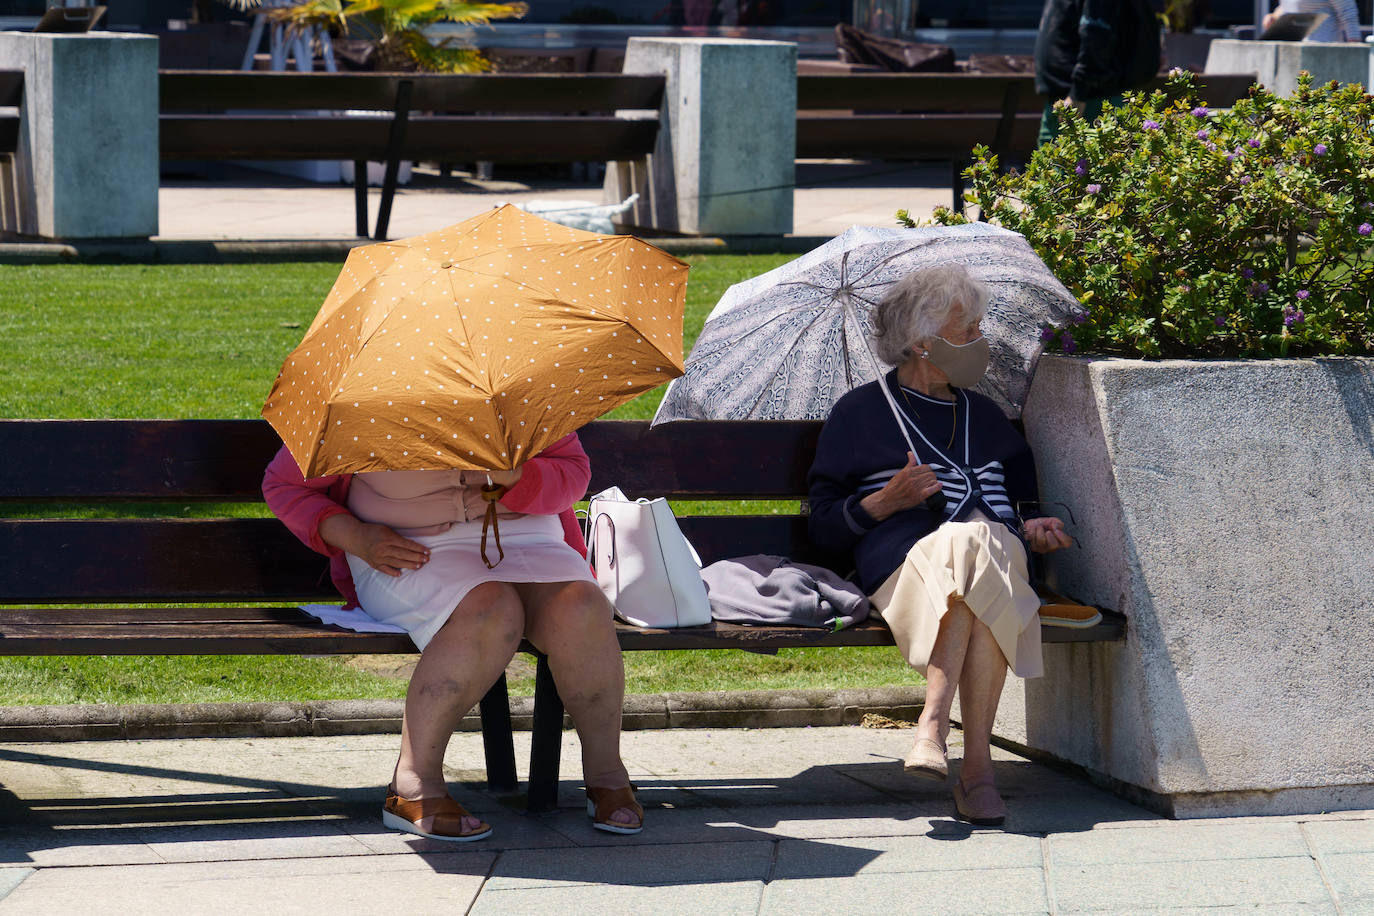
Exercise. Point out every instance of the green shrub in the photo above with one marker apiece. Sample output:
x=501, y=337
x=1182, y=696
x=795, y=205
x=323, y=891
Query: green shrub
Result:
x=1190, y=232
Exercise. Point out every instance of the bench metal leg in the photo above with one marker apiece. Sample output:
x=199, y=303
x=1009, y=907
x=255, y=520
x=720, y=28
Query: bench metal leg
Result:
x=956, y=183
x=497, y=740
x=394, y=148
x=546, y=742
x=360, y=196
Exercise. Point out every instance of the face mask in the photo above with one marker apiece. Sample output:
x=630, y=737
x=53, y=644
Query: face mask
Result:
x=964, y=364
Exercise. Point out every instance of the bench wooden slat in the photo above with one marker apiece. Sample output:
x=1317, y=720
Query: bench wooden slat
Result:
x=9, y=133
x=123, y=560
x=78, y=616
x=209, y=639
x=565, y=93
x=505, y=138
x=906, y=137
x=223, y=460
x=916, y=92
x=157, y=560
x=11, y=88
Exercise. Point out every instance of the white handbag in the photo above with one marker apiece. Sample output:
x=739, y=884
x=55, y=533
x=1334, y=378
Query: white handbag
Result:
x=643, y=563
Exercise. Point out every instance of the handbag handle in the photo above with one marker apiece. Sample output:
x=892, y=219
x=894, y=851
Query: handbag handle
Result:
x=596, y=541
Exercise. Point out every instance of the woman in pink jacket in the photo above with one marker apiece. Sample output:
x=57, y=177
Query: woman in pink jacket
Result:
x=406, y=547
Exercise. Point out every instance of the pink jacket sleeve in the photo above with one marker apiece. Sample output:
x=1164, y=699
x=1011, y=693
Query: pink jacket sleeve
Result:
x=301, y=504
x=553, y=480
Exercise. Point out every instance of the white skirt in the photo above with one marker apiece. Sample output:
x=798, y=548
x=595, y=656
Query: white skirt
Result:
x=979, y=562
x=421, y=600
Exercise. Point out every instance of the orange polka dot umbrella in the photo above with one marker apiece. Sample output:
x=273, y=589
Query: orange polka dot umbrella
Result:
x=476, y=346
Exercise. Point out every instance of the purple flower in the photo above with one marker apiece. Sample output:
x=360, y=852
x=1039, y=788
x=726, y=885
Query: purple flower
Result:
x=1292, y=316
x=1066, y=341
x=1259, y=289
x=1185, y=288
x=1245, y=179
x=1254, y=142
x=1319, y=149
x=1203, y=135
x=1212, y=146
x=1303, y=294
x=1367, y=205
x=1078, y=317
x=1220, y=321
x=1150, y=125
x=1081, y=168
x=1231, y=157
x=1200, y=111
x=1094, y=188
x=1047, y=334
x=1246, y=272
x=1365, y=229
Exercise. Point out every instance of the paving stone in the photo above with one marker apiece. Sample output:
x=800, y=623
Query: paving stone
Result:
x=273, y=840
x=1287, y=909
x=50, y=847
x=1178, y=843
x=718, y=899
x=510, y=830
x=691, y=864
x=1343, y=836
x=413, y=884
x=10, y=878
x=999, y=890
x=1352, y=878
x=1118, y=886
x=821, y=821
x=907, y=854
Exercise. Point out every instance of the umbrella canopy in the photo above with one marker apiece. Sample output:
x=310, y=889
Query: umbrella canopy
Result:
x=787, y=344
x=477, y=346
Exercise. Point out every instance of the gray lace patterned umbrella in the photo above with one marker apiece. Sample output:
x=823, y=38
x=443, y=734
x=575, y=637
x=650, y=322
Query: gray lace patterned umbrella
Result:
x=787, y=344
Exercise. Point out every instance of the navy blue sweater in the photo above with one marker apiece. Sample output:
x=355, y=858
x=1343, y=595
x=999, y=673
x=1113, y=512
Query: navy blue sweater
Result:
x=989, y=467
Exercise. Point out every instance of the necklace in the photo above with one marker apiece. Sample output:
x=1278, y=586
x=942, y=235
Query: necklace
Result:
x=953, y=413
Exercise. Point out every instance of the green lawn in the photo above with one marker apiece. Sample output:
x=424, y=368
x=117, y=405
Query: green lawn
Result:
x=205, y=341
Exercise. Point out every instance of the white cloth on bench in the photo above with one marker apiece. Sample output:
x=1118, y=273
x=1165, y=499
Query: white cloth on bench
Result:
x=355, y=619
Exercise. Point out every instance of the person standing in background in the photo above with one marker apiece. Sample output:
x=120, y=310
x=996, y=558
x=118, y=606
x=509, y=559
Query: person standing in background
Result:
x=1091, y=51
x=1342, y=21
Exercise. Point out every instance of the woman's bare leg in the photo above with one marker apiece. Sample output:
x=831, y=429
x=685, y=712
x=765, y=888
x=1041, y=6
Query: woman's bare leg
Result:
x=944, y=670
x=458, y=666
x=571, y=623
x=980, y=690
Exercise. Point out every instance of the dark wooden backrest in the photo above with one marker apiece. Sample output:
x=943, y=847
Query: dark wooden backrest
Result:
x=558, y=93
x=257, y=559
x=11, y=88
x=967, y=92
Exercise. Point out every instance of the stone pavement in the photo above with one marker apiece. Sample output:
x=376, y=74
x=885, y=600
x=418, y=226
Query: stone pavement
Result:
x=246, y=204
x=785, y=820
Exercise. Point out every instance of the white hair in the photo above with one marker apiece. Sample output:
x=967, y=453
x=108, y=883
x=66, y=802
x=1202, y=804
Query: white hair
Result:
x=918, y=305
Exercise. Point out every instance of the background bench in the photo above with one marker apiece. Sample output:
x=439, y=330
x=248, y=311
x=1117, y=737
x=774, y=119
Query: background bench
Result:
x=939, y=117
x=516, y=118
x=146, y=572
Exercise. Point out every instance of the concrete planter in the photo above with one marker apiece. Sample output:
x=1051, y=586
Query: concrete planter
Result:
x=1225, y=508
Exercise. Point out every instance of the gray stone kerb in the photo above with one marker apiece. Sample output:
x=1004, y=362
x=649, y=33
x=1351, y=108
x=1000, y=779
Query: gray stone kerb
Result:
x=741, y=709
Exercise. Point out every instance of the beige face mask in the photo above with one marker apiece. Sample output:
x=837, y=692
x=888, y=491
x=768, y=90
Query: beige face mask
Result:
x=963, y=364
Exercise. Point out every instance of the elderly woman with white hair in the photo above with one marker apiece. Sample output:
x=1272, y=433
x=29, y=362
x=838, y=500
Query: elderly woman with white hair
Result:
x=929, y=509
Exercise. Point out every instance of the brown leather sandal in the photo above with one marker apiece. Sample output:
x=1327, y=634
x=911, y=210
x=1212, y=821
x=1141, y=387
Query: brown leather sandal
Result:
x=405, y=814
x=602, y=803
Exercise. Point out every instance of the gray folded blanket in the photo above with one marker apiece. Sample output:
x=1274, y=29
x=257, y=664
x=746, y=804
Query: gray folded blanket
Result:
x=767, y=590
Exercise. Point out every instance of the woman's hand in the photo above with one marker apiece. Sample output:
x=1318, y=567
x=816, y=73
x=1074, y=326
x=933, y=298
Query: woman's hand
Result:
x=376, y=545
x=505, y=478
x=908, y=488
x=1045, y=535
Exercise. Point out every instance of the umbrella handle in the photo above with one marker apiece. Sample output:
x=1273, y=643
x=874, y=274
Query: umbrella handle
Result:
x=491, y=493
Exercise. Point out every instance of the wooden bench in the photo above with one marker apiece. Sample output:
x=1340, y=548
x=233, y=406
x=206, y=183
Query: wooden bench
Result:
x=939, y=117
x=11, y=96
x=515, y=118
x=148, y=573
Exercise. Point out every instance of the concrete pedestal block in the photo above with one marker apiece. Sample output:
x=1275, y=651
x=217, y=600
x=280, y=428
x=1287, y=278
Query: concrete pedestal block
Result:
x=724, y=161
x=1278, y=63
x=87, y=164
x=1225, y=508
